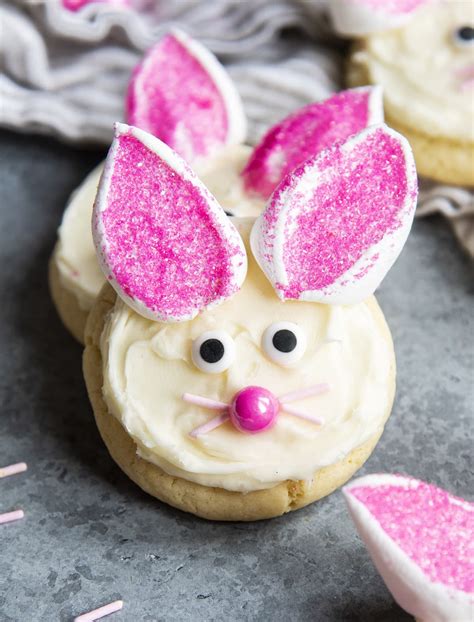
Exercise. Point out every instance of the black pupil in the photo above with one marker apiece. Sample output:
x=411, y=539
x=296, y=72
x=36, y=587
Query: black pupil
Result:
x=284, y=340
x=211, y=350
x=466, y=33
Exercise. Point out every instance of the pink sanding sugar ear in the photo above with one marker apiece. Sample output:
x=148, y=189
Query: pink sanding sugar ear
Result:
x=336, y=224
x=162, y=239
x=76, y=5
x=363, y=17
x=182, y=94
x=421, y=539
x=308, y=132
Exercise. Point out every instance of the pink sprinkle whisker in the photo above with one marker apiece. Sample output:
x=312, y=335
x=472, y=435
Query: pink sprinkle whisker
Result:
x=9, y=517
x=210, y=425
x=205, y=402
x=96, y=614
x=300, y=394
x=297, y=413
x=13, y=469
x=223, y=417
x=466, y=75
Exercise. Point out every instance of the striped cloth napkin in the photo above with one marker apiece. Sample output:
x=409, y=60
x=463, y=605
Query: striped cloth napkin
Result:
x=65, y=71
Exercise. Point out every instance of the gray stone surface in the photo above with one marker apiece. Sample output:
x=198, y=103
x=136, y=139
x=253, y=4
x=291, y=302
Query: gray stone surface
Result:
x=91, y=536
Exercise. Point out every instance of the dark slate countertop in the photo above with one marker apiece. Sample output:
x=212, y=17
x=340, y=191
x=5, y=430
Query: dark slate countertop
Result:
x=91, y=536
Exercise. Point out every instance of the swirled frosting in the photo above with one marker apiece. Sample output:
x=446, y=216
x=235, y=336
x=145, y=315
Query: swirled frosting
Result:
x=75, y=254
x=426, y=72
x=147, y=366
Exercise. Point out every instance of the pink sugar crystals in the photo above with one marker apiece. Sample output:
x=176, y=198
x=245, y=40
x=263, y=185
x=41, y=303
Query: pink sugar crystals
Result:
x=421, y=539
x=307, y=132
x=77, y=5
x=182, y=94
x=163, y=241
x=336, y=224
x=362, y=17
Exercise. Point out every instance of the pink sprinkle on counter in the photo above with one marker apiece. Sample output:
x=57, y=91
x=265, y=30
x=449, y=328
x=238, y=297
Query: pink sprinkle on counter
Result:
x=101, y=612
x=307, y=132
x=435, y=529
x=173, y=96
x=9, y=517
x=13, y=469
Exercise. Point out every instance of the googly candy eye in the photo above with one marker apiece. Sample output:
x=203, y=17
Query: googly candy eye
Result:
x=213, y=352
x=464, y=36
x=284, y=343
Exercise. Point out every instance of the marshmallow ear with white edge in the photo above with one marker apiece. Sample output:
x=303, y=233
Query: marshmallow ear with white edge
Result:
x=356, y=18
x=309, y=131
x=420, y=540
x=181, y=94
x=335, y=225
x=162, y=240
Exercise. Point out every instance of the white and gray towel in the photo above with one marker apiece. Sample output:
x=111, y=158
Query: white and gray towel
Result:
x=66, y=72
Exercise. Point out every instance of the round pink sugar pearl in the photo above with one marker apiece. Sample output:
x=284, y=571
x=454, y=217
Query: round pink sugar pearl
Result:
x=254, y=409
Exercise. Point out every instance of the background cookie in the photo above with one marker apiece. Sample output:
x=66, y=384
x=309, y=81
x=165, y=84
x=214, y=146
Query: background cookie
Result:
x=67, y=305
x=424, y=61
x=210, y=135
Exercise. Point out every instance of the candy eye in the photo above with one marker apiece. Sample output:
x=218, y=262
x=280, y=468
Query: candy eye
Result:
x=464, y=36
x=284, y=343
x=213, y=351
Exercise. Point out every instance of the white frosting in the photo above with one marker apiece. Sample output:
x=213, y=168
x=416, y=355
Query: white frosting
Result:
x=353, y=17
x=221, y=175
x=147, y=366
x=424, y=73
x=75, y=256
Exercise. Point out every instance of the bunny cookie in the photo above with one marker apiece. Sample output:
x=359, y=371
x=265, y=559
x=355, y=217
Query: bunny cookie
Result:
x=422, y=53
x=421, y=540
x=181, y=94
x=239, y=369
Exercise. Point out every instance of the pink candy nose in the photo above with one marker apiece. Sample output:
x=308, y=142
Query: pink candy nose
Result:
x=254, y=409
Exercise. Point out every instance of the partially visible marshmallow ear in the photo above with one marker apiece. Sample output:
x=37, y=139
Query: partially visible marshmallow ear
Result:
x=307, y=132
x=335, y=225
x=162, y=240
x=356, y=18
x=420, y=539
x=181, y=94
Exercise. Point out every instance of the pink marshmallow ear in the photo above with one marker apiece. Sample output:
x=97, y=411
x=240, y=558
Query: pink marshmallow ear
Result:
x=184, y=96
x=362, y=17
x=77, y=5
x=163, y=241
x=335, y=225
x=307, y=132
x=421, y=540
